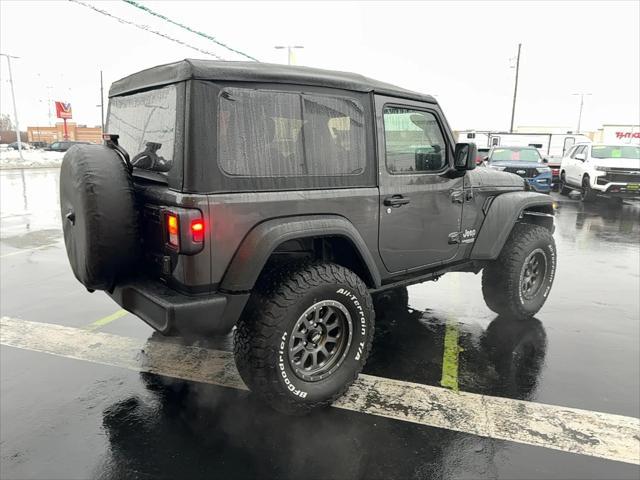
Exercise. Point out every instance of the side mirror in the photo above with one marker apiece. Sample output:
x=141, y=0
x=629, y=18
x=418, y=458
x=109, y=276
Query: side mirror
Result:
x=465, y=156
x=581, y=157
x=545, y=160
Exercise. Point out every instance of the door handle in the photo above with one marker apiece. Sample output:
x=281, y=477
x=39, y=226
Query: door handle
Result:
x=396, y=201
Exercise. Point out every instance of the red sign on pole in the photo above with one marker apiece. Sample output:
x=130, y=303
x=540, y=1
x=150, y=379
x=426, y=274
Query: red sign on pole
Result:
x=63, y=110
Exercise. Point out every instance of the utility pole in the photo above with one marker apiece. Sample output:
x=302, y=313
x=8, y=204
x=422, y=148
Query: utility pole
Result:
x=515, y=89
x=582, y=95
x=290, y=49
x=101, y=103
x=13, y=99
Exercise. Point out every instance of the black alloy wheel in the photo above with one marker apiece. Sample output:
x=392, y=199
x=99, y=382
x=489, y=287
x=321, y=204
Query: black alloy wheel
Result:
x=533, y=273
x=320, y=340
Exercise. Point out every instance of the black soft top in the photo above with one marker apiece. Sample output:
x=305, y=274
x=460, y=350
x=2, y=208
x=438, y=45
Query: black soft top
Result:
x=256, y=72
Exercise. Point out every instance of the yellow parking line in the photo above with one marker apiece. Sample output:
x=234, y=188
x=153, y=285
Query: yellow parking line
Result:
x=450, y=357
x=105, y=320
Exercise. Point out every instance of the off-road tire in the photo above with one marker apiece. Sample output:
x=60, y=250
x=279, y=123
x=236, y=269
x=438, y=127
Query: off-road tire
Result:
x=564, y=190
x=587, y=194
x=264, y=332
x=99, y=216
x=502, y=279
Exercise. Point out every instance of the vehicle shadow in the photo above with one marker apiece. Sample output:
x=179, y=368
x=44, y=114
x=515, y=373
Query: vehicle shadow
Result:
x=505, y=359
x=181, y=429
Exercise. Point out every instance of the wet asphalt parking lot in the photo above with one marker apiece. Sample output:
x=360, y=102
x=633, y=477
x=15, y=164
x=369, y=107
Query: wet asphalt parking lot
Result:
x=92, y=409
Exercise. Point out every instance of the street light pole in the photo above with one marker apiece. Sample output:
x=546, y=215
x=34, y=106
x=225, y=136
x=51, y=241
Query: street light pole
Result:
x=101, y=103
x=515, y=89
x=290, y=49
x=582, y=95
x=13, y=99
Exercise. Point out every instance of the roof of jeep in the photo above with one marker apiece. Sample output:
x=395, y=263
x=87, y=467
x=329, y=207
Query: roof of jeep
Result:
x=256, y=72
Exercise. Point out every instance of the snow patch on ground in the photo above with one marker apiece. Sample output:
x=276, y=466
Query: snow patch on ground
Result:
x=32, y=159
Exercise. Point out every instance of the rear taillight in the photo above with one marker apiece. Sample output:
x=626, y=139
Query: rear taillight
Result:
x=184, y=230
x=173, y=230
x=197, y=230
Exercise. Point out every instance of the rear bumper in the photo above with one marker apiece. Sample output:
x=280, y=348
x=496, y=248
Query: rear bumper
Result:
x=169, y=311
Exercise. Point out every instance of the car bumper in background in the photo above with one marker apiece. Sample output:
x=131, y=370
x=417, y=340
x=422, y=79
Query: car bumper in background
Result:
x=623, y=190
x=541, y=183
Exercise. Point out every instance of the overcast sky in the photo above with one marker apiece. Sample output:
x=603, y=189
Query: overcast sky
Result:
x=460, y=52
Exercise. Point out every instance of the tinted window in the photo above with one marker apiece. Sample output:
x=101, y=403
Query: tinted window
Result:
x=413, y=141
x=142, y=118
x=281, y=134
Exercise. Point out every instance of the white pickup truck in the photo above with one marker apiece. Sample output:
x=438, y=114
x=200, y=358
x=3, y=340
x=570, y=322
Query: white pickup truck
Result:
x=608, y=170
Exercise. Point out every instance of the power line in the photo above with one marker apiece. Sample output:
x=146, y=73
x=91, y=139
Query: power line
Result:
x=146, y=29
x=208, y=37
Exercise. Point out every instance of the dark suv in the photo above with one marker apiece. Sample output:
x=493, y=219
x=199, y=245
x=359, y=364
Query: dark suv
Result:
x=282, y=201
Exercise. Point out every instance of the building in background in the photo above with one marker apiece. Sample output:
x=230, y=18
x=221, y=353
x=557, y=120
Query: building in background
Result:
x=78, y=133
x=618, y=134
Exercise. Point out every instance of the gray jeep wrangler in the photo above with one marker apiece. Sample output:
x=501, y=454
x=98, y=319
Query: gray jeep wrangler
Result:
x=280, y=201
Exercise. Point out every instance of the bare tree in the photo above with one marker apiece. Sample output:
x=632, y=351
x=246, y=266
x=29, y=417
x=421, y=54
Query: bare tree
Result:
x=5, y=122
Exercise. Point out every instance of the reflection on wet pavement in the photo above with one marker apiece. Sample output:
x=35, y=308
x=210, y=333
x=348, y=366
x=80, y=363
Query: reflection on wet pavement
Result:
x=505, y=359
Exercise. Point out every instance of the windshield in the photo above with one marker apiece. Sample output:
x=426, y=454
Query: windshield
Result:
x=515, y=155
x=615, y=151
x=146, y=124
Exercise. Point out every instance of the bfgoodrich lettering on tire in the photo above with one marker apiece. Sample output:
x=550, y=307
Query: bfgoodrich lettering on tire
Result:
x=305, y=336
x=518, y=282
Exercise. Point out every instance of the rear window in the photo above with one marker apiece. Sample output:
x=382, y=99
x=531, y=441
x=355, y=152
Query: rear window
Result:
x=146, y=123
x=265, y=133
x=613, y=151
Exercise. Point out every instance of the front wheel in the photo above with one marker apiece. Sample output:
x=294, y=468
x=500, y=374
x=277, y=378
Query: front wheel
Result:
x=305, y=337
x=587, y=194
x=564, y=189
x=518, y=282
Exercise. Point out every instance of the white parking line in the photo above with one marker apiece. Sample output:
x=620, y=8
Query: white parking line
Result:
x=613, y=437
x=20, y=252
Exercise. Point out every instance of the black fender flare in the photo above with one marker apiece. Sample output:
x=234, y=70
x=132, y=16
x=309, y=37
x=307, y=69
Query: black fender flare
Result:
x=503, y=213
x=258, y=245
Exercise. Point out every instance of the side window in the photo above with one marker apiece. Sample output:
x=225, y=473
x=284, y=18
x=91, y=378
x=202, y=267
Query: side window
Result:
x=55, y=145
x=413, y=141
x=333, y=135
x=578, y=150
x=282, y=134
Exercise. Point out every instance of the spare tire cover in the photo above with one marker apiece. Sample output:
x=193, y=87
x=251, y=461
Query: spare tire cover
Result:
x=99, y=218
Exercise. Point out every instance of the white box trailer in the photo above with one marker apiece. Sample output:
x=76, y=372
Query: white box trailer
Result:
x=550, y=145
